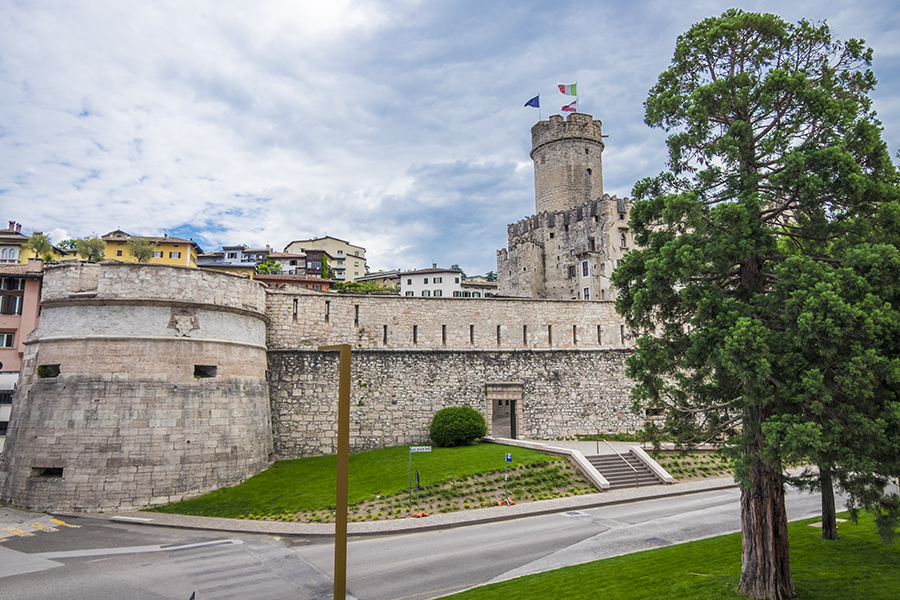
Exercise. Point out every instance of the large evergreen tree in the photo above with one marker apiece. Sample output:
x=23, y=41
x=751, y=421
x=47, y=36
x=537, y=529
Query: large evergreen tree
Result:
x=777, y=172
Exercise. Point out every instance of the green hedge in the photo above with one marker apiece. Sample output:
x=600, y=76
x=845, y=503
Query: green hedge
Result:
x=457, y=426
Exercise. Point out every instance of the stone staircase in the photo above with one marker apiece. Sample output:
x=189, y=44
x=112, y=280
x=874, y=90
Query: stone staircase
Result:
x=619, y=474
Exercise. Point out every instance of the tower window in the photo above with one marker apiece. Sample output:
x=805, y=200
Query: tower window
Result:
x=589, y=172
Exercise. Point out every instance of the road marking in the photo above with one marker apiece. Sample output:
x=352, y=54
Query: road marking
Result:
x=64, y=524
x=18, y=532
x=138, y=519
x=40, y=527
x=131, y=549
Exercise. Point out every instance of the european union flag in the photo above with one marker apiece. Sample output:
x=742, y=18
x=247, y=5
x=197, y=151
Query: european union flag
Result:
x=534, y=102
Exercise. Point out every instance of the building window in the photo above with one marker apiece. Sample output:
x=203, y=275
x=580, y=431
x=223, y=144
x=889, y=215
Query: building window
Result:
x=317, y=286
x=157, y=254
x=438, y=280
x=457, y=294
x=622, y=241
x=587, y=293
x=10, y=305
x=232, y=255
x=426, y=293
x=426, y=280
x=356, y=253
x=409, y=282
x=438, y=292
x=572, y=271
x=584, y=269
x=174, y=254
x=552, y=235
x=9, y=255
x=410, y=293
x=6, y=341
x=48, y=371
x=6, y=396
x=592, y=245
x=12, y=283
x=118, y=253
x=4, y=425
x=457, y=280
x=621, y=216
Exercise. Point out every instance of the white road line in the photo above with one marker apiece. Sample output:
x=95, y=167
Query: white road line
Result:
x=130, y=550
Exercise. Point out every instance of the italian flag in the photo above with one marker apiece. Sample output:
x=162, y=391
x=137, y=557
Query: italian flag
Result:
x=568, y=90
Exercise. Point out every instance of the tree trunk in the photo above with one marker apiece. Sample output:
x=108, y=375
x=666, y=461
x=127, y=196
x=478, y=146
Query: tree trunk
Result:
x=765, y=564
x=829, y=517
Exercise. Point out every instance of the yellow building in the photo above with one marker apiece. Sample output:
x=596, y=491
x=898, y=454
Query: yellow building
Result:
x=13, y=250
x=168, y=251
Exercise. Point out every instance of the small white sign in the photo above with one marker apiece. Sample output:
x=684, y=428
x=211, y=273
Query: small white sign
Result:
x=420, y=448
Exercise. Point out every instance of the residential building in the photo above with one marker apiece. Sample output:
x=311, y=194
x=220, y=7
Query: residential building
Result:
x=169, y=250
x=314, y=264
x=291, y=264
x=308, y=281
x=346, y=260
x=239, y=260
x=386, y=279
x=20, y=295
x=478, y=286
x=431, y=283
x=13, y=251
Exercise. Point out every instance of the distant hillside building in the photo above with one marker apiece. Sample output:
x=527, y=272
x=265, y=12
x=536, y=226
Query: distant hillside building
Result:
x=431, y=283
x=169, y=250
x=346, y=260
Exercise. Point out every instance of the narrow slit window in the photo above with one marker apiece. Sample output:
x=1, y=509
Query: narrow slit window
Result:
x=525, y=334
x=443, y=335
x=356, y=315
x=549, y=335
x=472, y=334
x=296, y=309
x=205, y=371
x=622, y=333
x=599, y=336
x=54, y=472
x=384, y=338
x=415, y=334
x=327, y=310
x=498, y=335
x=47, y=371
x=574, y=335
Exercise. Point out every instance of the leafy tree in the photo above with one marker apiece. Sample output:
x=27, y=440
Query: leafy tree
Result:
x=67, y=244
x=140, y=248
x=90, y=248
x=491, y=276
x=776, y=169
x=458, y=268
x=40, y=244
x=269, y=266
x=325, y=269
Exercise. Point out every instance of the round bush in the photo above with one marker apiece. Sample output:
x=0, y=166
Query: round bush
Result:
x=457, y=426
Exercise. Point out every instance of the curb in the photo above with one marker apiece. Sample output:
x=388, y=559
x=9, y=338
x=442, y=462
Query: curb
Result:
x=410, y=525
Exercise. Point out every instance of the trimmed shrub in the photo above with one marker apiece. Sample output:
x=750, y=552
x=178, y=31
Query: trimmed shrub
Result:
x=457, y=426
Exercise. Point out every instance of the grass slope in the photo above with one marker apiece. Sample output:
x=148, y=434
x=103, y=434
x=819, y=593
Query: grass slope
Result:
x=855, y=566
x=308, y=484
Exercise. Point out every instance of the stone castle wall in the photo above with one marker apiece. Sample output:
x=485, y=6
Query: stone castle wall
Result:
x=307, y=320
x=143, y=384
x=395, y=393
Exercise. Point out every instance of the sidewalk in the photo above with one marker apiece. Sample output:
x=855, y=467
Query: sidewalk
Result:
x=409, y=525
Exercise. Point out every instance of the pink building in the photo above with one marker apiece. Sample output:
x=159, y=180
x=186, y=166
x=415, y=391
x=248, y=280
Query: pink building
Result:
x=20, y=298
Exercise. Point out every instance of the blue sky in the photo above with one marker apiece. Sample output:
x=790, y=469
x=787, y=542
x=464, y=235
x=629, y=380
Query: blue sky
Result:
x=398, y=126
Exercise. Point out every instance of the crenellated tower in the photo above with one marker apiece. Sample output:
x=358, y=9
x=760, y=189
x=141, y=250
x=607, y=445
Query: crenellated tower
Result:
x=568, y=162
x=569, y=247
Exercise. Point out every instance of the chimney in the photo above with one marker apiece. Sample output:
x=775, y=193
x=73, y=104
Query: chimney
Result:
x=12, y=225
x=18, y=228
x=434, y=265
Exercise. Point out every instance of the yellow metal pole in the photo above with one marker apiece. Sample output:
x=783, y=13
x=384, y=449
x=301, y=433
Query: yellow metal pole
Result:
x=343, y=471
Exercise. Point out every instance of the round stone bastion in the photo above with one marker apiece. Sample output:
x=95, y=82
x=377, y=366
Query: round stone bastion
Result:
x=143, y=384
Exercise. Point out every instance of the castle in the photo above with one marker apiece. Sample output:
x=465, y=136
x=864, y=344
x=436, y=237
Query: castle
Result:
x=146, y=384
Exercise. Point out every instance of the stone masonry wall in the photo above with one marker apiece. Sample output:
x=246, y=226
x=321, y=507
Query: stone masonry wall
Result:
x=395, y=393
x=303, y=320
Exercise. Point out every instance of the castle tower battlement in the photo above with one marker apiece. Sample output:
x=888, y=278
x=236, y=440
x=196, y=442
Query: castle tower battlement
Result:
x=568, y=166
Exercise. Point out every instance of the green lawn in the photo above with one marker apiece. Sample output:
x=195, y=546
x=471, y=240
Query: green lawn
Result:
x=856, y=566
x=308, y=484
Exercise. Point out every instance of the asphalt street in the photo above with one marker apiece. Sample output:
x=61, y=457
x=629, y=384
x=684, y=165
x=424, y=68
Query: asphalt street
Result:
x=87, y=558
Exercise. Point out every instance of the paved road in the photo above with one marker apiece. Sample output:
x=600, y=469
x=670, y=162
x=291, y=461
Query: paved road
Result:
x=103, y=559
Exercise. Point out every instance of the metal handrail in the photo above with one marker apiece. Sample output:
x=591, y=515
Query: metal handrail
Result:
x=637, y=482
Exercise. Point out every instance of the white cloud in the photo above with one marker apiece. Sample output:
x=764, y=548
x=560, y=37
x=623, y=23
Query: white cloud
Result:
x=399, y=126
